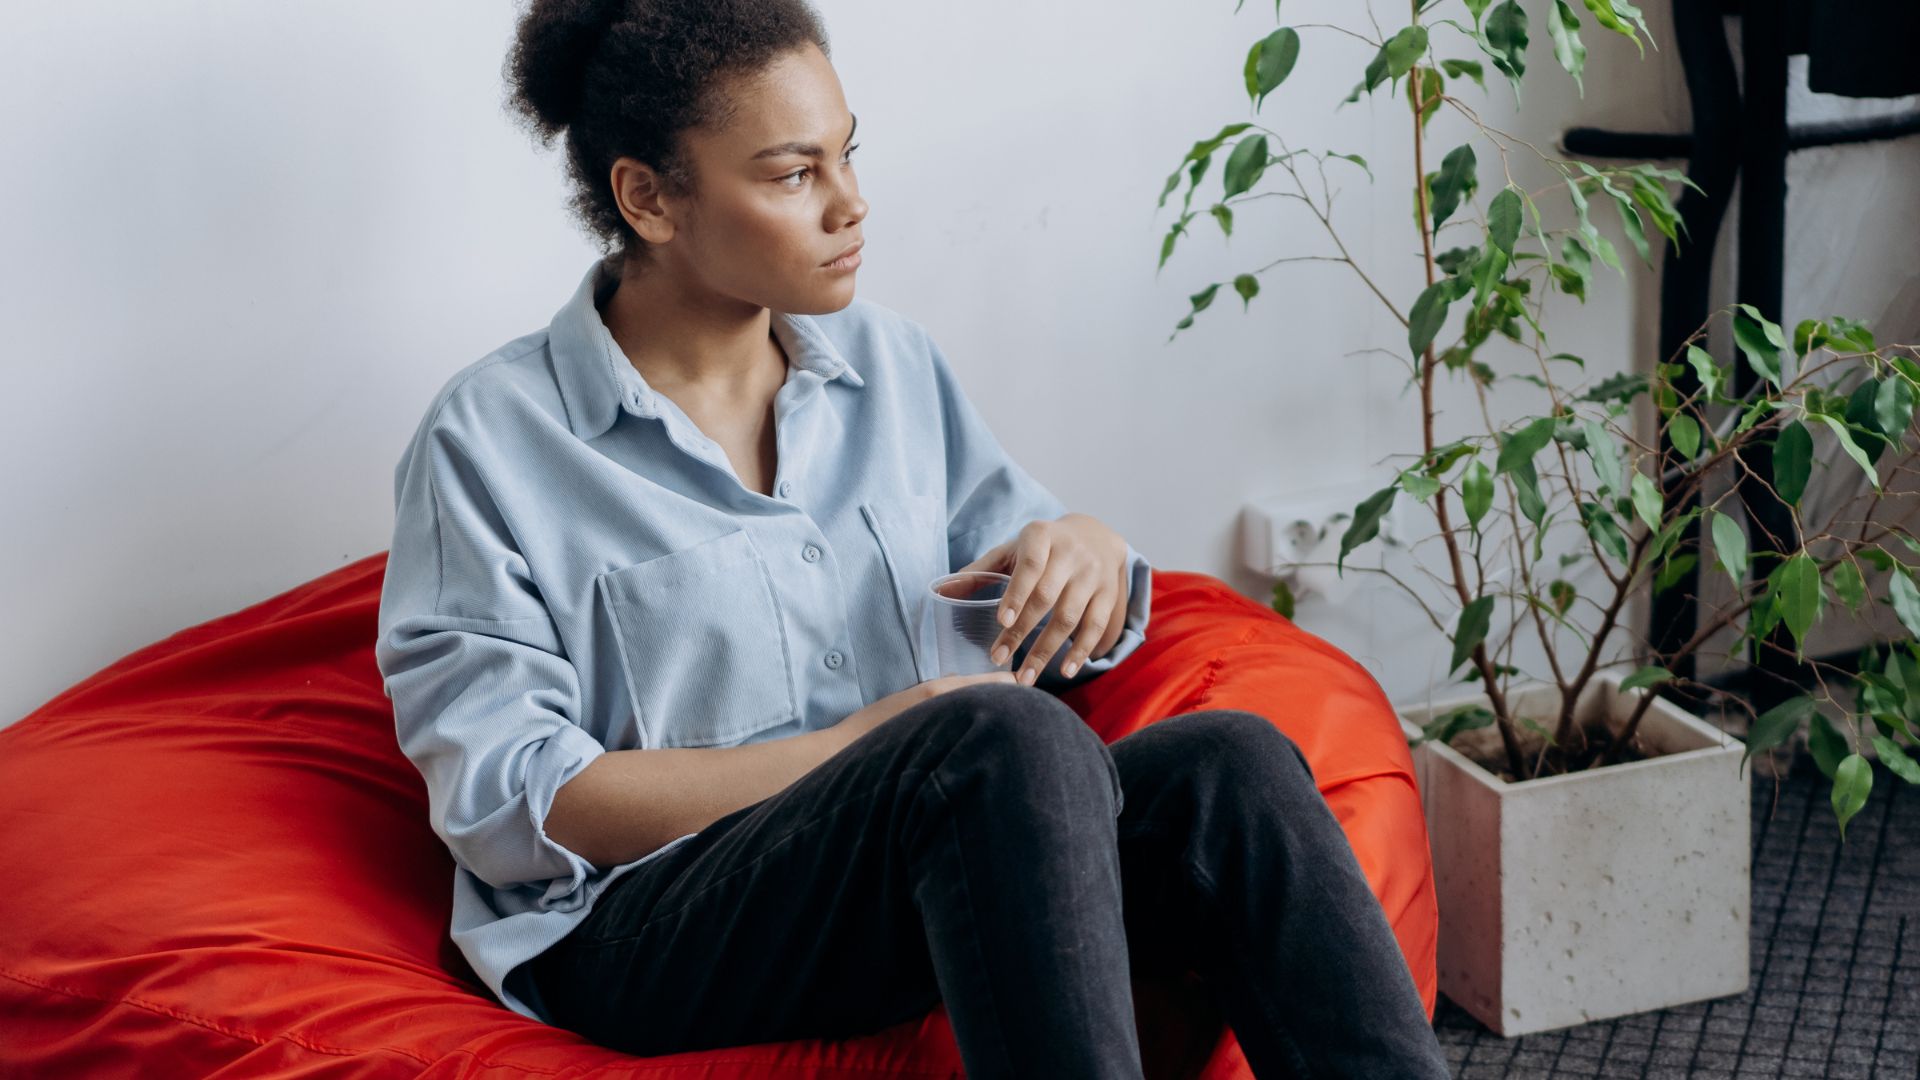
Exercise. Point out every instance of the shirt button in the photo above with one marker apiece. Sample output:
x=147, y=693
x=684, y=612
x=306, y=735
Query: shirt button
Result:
x=833, y=658
x=810, y=553
x=786, y=487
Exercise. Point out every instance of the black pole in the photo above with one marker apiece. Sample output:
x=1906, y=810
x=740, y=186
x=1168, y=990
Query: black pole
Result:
x=1763, y=194
x=1686, y=282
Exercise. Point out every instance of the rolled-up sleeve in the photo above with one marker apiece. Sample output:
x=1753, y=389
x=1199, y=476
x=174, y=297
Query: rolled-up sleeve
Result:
x=483, y=694
x=990, y=498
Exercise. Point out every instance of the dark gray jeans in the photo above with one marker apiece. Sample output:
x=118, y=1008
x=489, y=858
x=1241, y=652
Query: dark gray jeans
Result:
x=984, y=848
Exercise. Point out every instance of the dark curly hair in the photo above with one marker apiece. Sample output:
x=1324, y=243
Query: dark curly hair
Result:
x=624, y=78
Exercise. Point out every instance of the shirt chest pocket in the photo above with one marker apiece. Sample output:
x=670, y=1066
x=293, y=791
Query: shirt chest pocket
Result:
x=911, y=531
x=700, y=642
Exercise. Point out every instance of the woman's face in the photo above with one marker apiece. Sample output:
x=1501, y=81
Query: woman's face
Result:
x=777, y=195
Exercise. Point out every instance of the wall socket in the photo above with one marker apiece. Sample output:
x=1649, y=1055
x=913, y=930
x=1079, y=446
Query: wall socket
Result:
x=1280, y=536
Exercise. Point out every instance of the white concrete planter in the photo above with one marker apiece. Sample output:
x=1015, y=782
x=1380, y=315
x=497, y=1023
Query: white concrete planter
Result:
x=1596, y=894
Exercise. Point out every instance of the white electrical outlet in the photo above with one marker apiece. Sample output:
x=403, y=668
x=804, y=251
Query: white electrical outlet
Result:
x=1284, y=536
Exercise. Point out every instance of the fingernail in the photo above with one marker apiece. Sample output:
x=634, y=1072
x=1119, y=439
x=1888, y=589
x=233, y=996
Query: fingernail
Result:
x=1006, y=616
x=1000, y=654
x=1027, y=676
x=1072, y=666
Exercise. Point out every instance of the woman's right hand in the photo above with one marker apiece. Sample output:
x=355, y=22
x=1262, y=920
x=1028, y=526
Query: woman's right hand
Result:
x=871, y=716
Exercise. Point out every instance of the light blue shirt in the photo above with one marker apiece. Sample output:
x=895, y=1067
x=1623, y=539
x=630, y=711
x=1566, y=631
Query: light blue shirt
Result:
x=576, y=568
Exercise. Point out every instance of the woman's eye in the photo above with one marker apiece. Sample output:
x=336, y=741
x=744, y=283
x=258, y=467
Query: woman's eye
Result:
x=847, y=157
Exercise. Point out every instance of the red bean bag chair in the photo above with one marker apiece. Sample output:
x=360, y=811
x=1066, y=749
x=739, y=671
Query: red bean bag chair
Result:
x=216, y=859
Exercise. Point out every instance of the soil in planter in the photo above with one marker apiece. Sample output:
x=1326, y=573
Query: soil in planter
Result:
x=1483, y=747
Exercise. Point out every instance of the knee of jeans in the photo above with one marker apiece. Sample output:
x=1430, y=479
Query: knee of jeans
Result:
x=1239, y=740
x=1037, y=729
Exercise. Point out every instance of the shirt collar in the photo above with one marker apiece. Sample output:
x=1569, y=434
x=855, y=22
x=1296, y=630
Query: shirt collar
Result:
x=597, y=380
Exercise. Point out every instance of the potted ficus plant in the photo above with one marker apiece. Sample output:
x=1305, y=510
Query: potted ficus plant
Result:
x=1590, y=837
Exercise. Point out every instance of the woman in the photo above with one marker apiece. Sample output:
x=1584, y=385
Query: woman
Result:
x=651, y=629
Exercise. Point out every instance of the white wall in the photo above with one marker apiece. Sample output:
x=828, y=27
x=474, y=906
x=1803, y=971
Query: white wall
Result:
x=245, y=243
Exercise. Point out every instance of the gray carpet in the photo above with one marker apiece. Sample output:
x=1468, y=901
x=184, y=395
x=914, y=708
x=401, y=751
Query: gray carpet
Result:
x=1835, y=990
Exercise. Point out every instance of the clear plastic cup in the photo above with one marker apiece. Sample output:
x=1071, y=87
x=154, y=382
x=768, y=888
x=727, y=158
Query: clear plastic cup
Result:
x=964, y=608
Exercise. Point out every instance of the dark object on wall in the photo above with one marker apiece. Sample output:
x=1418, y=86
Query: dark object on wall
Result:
x=1857, y=48
x=1741, y=131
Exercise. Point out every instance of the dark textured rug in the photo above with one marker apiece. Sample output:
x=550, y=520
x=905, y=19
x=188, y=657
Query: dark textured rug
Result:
x=1835, y=990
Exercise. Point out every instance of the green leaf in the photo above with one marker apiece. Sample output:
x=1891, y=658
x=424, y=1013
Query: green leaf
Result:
x=1852, y=448
x=1706, y=369
x=1854, y=336
x=1248, y=287
x=1456, y=176
x=1507, y=34
x=1476, y=490
x=1796, y=582
x=1470, y=68
x=1905, y=598
x=1730, y=544
x=1792, y=461
x=1606, y=459
x=1470, y=630
x=1852, y=781
x=1651, y=675
x=1604, y=13
x=1623, y=386
x=1418, y=485
x=1652, y=194
x=1669, y=535
x=1277, y=54
x=1503, y=219
x=1245, y=164
x=1356, y=159
x=1577, y=265
x=1443, y=728
x=1893, y=408
x=1404, y=50
x=1825, y=743
x=1488, y=273
x=1761, y=342
x=1563, y=594
x=1848, y=585
x=1563, y=26
x=1282, y=601
x=1773, y=727
x=1809, y=335
x=1685, y=433
x=1672, y=570
x=1526, y=487
x=1365, y=524
x=1395, y=58
x=1518, y=448
x=1429, y=88
x=1441, y=458
x=1429, y=314
x=1202, y=149
x=1646, y=500
x=1603, y=529
x=1896, y=760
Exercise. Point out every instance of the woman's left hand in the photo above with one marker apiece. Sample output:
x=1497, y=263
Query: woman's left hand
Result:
x=1073, y=566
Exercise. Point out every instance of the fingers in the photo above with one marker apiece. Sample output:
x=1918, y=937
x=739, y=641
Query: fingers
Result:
x=1106, y=619
x=1068, y=615
x=1088, y=636
x=1031, y=557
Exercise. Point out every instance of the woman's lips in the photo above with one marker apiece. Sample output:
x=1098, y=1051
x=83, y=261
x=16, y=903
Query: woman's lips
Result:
x=846, y=262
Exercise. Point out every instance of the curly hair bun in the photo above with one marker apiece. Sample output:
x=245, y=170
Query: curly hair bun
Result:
x=556, y=41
